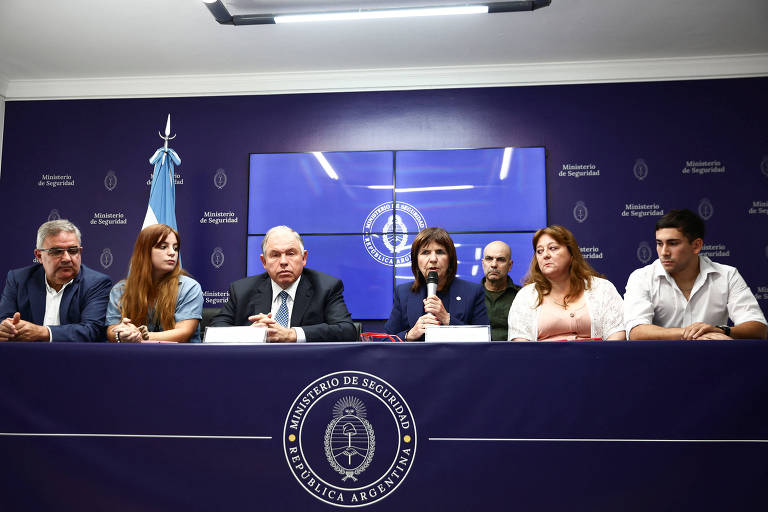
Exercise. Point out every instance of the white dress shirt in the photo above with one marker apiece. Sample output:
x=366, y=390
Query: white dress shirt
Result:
x=719, y=292
x=276, y=301
x=606, y=314
x=52, y=306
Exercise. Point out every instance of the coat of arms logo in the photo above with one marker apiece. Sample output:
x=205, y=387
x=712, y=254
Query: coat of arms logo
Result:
x=217, y=257
x=349, y=438
x=640, y=169
x=220, y=179
x=329, y=442
x=580, y=212
x=106, y=258
x=110, y=180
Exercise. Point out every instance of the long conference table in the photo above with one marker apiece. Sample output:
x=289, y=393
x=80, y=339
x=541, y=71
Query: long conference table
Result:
x=577, y=426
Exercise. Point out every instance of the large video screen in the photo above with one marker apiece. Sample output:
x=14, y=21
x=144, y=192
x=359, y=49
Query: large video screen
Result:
x=359, y=211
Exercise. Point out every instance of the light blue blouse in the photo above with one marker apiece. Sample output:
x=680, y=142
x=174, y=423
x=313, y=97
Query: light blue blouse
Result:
x=189, y=304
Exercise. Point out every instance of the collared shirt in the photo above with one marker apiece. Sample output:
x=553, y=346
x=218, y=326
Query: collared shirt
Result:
x=276, y=301
x=52, y=305
x=497, y=304
x=719, y=292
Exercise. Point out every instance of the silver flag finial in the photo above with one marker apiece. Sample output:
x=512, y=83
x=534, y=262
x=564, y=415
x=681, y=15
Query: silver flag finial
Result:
x=167, y=136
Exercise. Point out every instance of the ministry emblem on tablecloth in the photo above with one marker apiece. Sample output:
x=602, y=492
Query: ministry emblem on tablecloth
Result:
x=329, y=440
x=349, y=439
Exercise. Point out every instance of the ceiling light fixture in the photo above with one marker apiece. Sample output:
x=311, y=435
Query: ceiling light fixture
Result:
x=381, y=14
x=222, y=15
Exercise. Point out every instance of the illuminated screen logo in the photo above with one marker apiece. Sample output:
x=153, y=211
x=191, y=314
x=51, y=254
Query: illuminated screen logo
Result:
x=386, y=236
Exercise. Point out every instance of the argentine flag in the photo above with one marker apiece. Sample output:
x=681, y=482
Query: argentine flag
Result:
x=162, y=195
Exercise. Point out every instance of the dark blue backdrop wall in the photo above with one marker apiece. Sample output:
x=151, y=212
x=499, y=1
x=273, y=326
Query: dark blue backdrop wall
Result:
x=619, y=156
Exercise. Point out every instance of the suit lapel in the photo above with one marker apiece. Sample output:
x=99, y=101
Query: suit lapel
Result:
x=261, y=300
x=70, y=292
x=455, y=307
x=415, y=306
x=301, y=302
x=37, y=295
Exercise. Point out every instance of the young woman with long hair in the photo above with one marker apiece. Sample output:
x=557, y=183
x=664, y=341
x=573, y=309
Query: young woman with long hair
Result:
x=158, y=300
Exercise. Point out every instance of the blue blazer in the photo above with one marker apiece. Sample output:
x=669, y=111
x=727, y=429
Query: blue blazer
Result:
x=83, y=306
x=319, y=307
x=465, y=301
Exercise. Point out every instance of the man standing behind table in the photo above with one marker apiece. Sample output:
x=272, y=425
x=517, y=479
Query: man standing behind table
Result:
x=294, y=303
x=684, y=295
x=58, y=300
x=500, y=291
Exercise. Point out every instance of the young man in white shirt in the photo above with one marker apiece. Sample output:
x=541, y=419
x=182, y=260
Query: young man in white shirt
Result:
x=684, y=295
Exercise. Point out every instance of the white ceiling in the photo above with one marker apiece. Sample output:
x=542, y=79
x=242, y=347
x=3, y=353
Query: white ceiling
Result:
x=107, y=48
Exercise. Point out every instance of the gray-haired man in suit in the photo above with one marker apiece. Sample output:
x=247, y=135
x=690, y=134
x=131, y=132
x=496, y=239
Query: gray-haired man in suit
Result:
x=295, y=303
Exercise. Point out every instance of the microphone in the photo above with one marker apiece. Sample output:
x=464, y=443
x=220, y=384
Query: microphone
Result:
x=431, y=283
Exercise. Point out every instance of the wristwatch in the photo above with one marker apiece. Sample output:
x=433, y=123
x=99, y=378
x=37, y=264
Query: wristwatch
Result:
x=726, y=330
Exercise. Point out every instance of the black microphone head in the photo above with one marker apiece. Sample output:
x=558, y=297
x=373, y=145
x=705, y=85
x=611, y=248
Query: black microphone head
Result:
x=432, y=277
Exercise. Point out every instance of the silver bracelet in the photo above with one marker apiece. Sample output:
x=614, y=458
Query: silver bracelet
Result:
x=117, y=336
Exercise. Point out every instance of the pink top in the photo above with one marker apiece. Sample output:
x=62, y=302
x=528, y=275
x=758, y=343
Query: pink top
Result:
x=556, y=323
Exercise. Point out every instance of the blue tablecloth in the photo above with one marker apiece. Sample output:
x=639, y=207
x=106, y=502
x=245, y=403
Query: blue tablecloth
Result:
x=490, y=426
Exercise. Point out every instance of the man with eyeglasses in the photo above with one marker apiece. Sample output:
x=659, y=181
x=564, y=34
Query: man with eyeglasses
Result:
x=500, y=291
x=58, y=300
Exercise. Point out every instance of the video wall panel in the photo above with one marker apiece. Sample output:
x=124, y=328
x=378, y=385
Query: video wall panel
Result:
x=358, y=212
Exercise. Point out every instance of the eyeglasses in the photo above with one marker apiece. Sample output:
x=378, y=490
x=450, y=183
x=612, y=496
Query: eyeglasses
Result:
x=55, y=252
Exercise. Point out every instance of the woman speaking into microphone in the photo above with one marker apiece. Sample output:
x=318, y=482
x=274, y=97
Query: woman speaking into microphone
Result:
x=454, y=301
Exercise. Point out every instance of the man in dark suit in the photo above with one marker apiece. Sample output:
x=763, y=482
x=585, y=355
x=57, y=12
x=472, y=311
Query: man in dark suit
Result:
x=58, y=300
x=294, y=303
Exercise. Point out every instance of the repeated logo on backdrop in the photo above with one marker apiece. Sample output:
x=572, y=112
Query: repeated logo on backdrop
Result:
x=106, y=259
x=220, y=179
x=640, y=169
x=644, y=253
x=217, y=257
x=706, y=210
x=110, y=180
x=580, y=212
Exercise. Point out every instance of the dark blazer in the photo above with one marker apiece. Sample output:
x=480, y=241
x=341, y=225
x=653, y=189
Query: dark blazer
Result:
x=83, y=305
x=318, y=308
x=465, y=302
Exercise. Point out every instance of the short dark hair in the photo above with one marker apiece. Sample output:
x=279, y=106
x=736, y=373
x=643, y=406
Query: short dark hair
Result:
x=425, y=236
x=686, y=221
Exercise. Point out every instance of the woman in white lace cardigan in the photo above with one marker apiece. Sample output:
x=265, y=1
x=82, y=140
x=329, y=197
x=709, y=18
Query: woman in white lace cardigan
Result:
x=564, y=297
